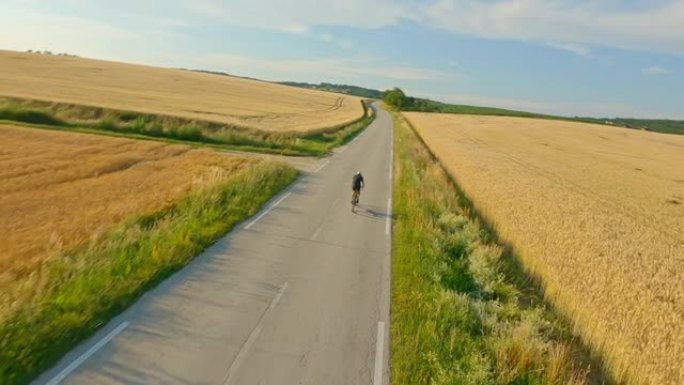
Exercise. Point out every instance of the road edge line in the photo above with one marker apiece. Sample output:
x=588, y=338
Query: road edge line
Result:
x=379, y=353
x=268, y=210
x=84, y=357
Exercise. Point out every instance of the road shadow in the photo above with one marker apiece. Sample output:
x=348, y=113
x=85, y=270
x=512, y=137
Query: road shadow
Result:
x=371, y=212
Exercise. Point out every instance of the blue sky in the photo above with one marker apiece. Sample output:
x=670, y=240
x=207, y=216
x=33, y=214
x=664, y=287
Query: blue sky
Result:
x=571, y=57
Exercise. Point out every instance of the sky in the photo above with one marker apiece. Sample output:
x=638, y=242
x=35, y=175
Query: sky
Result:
x=603, y=58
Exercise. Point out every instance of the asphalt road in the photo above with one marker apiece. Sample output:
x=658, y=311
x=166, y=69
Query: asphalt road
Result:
x=298, y=294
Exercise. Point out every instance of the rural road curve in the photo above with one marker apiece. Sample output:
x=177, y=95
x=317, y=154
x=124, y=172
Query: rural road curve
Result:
x=298, y=294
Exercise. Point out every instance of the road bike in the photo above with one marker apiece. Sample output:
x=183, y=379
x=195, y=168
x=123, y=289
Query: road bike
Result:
x=355, y=199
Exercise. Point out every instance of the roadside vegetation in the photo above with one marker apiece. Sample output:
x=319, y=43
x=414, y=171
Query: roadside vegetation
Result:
x=78, y=292
x=63, y=116
x=463, y=311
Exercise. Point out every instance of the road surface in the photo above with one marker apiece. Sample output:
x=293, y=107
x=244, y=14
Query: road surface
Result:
x=298, y=294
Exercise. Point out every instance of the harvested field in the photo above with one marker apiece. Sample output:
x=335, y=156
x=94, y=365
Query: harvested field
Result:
x=59, y=189
x=596, y=212
x=223, y=99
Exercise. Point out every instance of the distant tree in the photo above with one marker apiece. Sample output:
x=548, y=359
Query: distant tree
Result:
x=395, y=98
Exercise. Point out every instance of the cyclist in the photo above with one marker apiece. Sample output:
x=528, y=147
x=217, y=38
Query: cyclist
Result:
x=357, y=185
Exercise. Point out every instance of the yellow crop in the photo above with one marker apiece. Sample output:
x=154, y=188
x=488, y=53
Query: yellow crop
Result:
x=225, y=99
x=596, y=212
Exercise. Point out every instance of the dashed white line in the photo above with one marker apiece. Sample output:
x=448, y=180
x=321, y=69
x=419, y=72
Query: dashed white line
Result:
x=388, y=220
x=80, y=360
x=391, y=162
x=242, y=354
x=321, y=166
x=268, y=210
x=379, y=352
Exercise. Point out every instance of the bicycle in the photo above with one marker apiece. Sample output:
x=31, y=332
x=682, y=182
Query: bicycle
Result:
x=355, y=199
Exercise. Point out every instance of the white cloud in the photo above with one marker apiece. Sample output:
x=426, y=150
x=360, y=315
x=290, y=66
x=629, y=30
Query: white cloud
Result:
x=577, y=49
x=310, y=70
x=657, y=70
x=59, y=33
x=566, y=23
x=572, y=25
x=304, y=14
x=332, y=39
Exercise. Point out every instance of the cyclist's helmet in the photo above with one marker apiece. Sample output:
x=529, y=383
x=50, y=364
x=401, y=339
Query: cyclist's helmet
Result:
x=358, y=173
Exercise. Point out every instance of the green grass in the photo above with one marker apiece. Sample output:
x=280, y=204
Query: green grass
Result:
x=29, y=116
x=97, y=120
x=425, y=105
x=664, y=126
x=83, y=289
x=462, y=310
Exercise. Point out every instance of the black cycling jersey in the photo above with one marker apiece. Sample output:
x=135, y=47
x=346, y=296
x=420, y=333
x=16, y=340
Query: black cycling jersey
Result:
x=357, y=182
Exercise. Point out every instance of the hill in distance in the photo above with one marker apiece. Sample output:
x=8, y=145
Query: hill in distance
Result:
x=410, y=103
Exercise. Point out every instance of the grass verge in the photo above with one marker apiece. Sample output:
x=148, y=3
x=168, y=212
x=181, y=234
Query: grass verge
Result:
x=78, y=292
x=462, y=311
x=89, y=119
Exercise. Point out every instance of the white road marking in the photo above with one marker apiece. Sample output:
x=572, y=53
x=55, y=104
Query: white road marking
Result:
x=316, y=234
x=391, y=162
x=80, y=360
x=321, y=166
x=242, y=354
x=268, y=210
x=379, y=352
x=388, y=220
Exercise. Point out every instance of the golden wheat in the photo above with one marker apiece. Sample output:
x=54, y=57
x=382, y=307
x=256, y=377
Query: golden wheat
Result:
x=225, y=99
x=597, y=212
x=58, y=190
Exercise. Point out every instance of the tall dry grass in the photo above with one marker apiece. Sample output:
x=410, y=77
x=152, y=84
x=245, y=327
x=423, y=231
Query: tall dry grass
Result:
x=462, y=312
x=224, y=99
x=597, y=212
x=89, y=223
x=59, y=190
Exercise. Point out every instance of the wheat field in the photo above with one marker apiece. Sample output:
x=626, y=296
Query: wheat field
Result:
x=596, y=212
x=59, y=190
x=224, y=99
